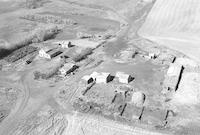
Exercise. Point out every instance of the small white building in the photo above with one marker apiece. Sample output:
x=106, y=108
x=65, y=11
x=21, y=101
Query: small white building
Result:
x=43, y=53
x=94, y=75
x=67, y=68
x=103, y=77
x=123, y=78
x=88, y=79
x=49, y=53
x=98, y=77
x=65, y=43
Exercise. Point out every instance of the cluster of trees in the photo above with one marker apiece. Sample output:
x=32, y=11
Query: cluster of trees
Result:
x=32, y=4
x=20, y=53
x=82, y=55
x=38, y=35
x=49, y=19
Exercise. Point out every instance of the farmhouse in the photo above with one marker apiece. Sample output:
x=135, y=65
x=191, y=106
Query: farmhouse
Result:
x=103, y=77
x=43, y=53
x=68, y=68
x=49, y=53
x=90, y=78
x=124, y=78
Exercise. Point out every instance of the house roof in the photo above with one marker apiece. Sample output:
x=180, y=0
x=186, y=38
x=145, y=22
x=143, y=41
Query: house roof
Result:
x=122, y=75
x=174, y=69
x=102, y=75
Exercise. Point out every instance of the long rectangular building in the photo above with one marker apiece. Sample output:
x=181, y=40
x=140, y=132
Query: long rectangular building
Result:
x=173, y=76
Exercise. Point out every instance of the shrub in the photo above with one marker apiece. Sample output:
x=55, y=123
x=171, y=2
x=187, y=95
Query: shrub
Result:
x=84, y=53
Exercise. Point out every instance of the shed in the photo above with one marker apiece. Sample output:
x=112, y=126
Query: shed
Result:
x=88, y=79
x=68, y=68
x=94, y=75
x=43, y=53
x=65, y=44
x=54, y=53
x=124, y=78
x=85, y=43
x=103, y=77
x=173, y=77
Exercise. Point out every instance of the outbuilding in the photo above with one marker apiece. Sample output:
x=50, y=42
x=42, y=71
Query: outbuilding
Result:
x=124, y=78
x=103, y=77
x=65, y=44
x=67, y=68
x=152, y=56
x=173, y=77
x=49, y=53
x=94, y=75
x=54, y=53
x=43, y=53
x=174, y=69
x=88, y=79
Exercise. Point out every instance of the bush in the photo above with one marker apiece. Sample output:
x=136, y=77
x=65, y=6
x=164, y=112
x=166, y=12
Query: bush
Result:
x=49, y=19
x=84, y=53
x=32, y=4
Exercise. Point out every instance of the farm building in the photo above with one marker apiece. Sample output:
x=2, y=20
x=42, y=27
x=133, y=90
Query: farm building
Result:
x=94, y=75
x=54, y=53
x=88, y=79
x=98, y=77
x=152, y=56
x=67, y=68
x=174, y=69
x=65, y=44
x=124, y=78
x=43, y=53
x=103, y=77
x=83, y=43
x=49, y=53
x=173, y=76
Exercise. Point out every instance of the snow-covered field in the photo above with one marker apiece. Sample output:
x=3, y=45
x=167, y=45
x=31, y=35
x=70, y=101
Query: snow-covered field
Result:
x=175, y=24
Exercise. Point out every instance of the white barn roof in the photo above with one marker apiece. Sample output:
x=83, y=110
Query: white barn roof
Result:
x=123, y=78
x=174, y=69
